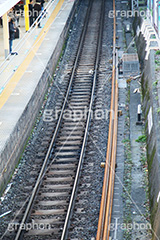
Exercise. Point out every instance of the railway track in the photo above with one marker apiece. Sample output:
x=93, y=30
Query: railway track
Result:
x=105, y=214
x=52, y=200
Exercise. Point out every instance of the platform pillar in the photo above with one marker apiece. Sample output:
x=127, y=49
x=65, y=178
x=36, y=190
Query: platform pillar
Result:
x=5, y=35
x=26, y=11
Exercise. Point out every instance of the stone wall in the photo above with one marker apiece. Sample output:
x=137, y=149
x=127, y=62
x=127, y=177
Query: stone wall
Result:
x=152, y=125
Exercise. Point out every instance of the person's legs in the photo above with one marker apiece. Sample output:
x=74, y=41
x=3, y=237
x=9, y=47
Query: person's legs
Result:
x=10, y=45
x=39, y=24
x=31, y=21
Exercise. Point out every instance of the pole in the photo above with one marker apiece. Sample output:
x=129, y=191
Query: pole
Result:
x=26, y=11
x=6, y=35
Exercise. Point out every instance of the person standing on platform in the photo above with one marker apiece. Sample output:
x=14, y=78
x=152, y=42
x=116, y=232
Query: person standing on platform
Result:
x=42, y=8
x=1, y=22
x=12, y=31
x=42, y=4
x=37, y=11
x=31, y=13
x=16, y=11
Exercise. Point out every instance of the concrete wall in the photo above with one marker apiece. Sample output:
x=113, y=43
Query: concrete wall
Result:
x=22, y=130
x=153, y=137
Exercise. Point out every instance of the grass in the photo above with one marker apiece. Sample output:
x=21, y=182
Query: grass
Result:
x=127, y=189
x=157, y=62
x=127, y=179
x=141, y=139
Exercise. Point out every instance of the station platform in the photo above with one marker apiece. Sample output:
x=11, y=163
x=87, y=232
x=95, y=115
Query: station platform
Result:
x=24, y=80
x=22, y=30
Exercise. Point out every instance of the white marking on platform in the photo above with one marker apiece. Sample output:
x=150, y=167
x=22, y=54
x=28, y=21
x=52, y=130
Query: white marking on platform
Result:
x=47, y=39
x=28, y=71
x=1, y=123
x=38, y=53
x=119, y=30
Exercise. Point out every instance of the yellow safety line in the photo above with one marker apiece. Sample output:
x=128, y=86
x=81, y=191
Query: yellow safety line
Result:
x=22, y=68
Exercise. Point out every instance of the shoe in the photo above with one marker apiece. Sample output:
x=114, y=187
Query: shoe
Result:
x=14, y=53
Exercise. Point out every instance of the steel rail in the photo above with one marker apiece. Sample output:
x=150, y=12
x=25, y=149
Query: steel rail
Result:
x=109, y=174
x=72, y=199
x=44, y=166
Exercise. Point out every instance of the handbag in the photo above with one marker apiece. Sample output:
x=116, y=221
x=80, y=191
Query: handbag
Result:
x=17, y=33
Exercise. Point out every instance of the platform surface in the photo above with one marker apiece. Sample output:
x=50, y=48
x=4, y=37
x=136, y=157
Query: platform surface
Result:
x=18, y=88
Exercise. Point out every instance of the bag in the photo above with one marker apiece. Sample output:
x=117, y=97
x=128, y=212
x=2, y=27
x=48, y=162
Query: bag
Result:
x=17, y=33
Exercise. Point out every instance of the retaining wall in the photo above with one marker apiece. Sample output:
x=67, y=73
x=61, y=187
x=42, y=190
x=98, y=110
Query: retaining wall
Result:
x=152, y=126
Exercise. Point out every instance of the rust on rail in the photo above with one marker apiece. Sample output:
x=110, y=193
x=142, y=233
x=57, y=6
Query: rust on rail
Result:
x=109, y=174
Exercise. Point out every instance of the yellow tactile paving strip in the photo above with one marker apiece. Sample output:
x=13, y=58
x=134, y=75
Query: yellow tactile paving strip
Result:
x=23, y=67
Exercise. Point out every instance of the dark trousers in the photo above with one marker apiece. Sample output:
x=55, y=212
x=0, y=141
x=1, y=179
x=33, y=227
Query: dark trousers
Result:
x=10, y=45
x=30, y=21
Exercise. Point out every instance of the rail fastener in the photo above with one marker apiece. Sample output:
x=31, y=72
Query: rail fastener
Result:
x=103, y=164
x=120, y=113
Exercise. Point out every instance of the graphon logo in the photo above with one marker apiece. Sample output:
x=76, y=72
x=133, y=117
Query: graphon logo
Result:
x=128, y=13
x=28, y=226
x=130, y=226
x=76, y=114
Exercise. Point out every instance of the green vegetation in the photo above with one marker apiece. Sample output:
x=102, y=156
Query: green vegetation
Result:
x=127, y=180
x=156, y=98
x=125, y=140
x=127, y=188
x=158, y=110
x=141, y=139
x=150, y=158
x=158, y=52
